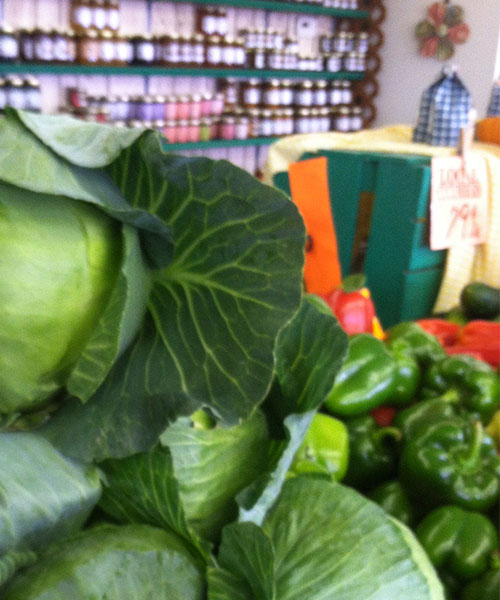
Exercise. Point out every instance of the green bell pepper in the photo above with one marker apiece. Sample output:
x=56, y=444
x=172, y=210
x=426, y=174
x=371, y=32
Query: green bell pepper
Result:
x=324, y=451
x=472, y=381
x=391, y=496
x=424, y=346
x=451, y=462
x=407, y=373
x=459, y=543
x=486, y=587
x=373, y=455
x=366, y=378
x=420, y=415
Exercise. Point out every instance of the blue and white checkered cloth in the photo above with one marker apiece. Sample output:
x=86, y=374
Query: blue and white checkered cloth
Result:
x=494, y=105
x=444, y=110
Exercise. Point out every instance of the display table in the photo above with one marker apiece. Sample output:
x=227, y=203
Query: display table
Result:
x=463, y=263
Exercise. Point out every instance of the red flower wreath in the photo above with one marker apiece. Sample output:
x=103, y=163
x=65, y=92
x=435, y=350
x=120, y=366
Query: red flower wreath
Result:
x=442, y=29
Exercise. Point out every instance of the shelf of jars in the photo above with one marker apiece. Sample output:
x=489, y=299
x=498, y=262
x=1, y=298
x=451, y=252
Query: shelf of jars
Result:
x=77, y=69
x=210, y=144
x=351, y=9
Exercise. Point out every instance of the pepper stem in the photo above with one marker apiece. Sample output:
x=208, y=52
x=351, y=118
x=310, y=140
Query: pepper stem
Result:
x=387, y=432
x=452, y=396
x=474, y=450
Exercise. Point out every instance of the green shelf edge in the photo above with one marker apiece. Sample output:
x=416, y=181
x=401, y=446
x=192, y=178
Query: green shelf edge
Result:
x=220, y=144
x=284, y=7
x=131, y=70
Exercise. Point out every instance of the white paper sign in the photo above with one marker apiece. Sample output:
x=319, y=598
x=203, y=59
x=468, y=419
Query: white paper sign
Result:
x=459, y=201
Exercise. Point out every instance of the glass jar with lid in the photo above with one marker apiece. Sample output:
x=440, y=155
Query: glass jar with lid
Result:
x=320, y=93
x=324, y=117
x=124, y=50
x=122, y=108
x=221, y=21
x=362, y=42
x=26, y=45
x=9, y=45
x=340, y=43
x=183, y=108
x=107, y=48
x=81, y=16
x=254, y=123
x=206, y=22
x=144, y=49
x=303, y=121
x=240, y=54
x=32, y=94
x=350, y=61
x=198, y=42
x=228, y=128
x=193, y=130
x=214, y=51
x=15, y=92
x=242, y=127
x=99, y=15
x=195, y=106
x=186, y=50
x=271, y=94
x=286, y=93
x=333, y=62
x=205, y=130
x=257, y=59
x=266, y=123
x=276, y=60
x=228, y=51
x=230, y=89
x=171, y=50
x=304, y=96
x=89, y=48
x=60, y=46
x=288, y=122
x=335, y=93
x=112, y=15
x=356, y=118
x=346, y=90
x=44, y=47
x=3, y=94
x=251, y=93
x=343, y=119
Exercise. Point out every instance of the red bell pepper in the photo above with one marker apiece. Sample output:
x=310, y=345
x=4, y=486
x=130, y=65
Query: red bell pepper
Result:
x=445, y=331
x=351, y=303
x=481, y=337
x=383, y=415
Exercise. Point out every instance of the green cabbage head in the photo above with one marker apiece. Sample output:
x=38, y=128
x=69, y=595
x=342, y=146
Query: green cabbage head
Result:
x=59, y=260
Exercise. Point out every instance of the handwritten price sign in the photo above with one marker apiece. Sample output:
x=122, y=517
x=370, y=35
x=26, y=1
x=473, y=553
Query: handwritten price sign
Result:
x=459, y=201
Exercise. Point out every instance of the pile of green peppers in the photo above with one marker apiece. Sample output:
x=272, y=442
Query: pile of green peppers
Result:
x=434, y=467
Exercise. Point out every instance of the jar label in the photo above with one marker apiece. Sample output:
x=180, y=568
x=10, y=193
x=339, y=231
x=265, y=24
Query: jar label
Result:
x=209, y=24
x=113, y=19
x=100, y=18
x=108, y=51
x=83, y=16
x=9, y=48
x=228, y=56
x=124, y=51
x=251, y=96
x=214, y=55
x=146, y=52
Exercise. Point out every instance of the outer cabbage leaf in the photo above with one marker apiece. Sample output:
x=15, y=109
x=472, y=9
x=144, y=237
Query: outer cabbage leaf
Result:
x=309, y=352
x=43, y=497
x=327, y=541
x=143, y=489
x=129, y=562
x=213, y=465
x=213, y=314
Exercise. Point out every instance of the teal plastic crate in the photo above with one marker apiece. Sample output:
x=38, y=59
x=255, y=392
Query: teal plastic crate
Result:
x=380, y=205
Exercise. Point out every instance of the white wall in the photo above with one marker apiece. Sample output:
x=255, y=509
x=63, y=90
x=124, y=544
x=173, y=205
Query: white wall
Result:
x=405, y=74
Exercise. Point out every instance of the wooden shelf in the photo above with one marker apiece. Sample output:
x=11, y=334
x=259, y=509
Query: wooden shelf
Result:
x=295, y=7
x=263, y=141
x=145, y=71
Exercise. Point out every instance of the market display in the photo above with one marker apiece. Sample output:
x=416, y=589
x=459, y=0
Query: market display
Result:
x=163, y=446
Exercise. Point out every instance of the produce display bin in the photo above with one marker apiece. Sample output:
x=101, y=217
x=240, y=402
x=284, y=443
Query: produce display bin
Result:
x=380, y=207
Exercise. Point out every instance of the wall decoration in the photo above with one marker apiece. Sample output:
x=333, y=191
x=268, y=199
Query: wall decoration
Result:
x=441, y=30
